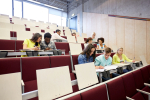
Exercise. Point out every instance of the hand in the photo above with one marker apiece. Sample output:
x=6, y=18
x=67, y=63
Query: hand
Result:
x=47, y=49
x=133, y=61
x=35, y=48
x=96, y=67
x=101, y=67
x=122, y=62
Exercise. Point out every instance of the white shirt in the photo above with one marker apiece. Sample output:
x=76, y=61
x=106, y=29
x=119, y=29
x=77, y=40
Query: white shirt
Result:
x=56, y=36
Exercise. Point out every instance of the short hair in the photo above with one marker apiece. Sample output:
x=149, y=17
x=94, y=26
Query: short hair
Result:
x=47, y=35
x=107, y=50
x=102, y=39
x=57, y=30
x=73, y=33
x=88, y=39
x=35, y=37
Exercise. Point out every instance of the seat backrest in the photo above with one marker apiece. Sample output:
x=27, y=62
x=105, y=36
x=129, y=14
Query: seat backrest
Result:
x=31, y=64
x=98, y=93
x=64, y=37
x=22, y=35
x=80, y=40
x=75, y=48
x=17, y=27
x=129, y=84
x=63, y=46
x=112, y=54
x=9, y=65
x=95, y=45
x=50, y=31
x=83, y=46
x=71, y=39
x=145, y=74
x=19, y=44
x=116, y=89
x=4, y=33
x=74, y=60
x=148, y=67
x=98, y=54
x=84, y=35
x=6, y=25
x=35, y=29
x=139, y=82
x=143, y=60
x=57, y=61
x=7, y=44
x=77, y=97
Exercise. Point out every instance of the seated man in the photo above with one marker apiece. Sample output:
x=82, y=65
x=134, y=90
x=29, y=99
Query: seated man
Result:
x=104, y=60
x=49, y=45
x=57, y=36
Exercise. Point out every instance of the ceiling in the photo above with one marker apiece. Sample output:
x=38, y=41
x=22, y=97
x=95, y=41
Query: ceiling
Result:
x=66, y=5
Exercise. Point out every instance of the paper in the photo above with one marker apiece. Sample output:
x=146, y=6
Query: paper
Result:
x=100, y=70
x=110, y=67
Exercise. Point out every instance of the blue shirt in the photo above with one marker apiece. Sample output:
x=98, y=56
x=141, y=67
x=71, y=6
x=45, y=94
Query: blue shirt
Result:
x=100, y=46
x=101, y=61
x=83, y=59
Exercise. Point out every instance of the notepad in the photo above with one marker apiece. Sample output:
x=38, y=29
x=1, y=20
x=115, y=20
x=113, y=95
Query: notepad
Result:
x=100, y=70
x=110, y=67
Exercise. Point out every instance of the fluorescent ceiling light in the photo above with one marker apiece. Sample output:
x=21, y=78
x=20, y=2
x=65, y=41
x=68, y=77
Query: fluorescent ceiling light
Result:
x=34, y=1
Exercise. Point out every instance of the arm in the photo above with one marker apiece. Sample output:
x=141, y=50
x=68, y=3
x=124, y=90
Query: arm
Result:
x=97, y=64
x=25, y=46
x=114, y=60
x=127, y=59
x=59, y=37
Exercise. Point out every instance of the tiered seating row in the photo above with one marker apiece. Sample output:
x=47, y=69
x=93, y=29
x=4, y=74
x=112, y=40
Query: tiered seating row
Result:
x=123, y=87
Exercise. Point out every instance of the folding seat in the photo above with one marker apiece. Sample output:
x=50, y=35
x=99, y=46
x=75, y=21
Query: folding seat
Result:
x=148, y=67
x=85, y=39
x=75, y=48
x=139, y=82
x=83, y=46
x=29, y=67
x=53, y=27
x=98, y=54
x=50, y=31
x=68, y=33
x=98, y=93
x=63, y=61
x=116, y=89
x=5, y=20
x=6, y=26
x=35, y=29
x=84, y=35
x=74, y=60
x=5, y=33
x=71, y=39
x=95, y=45
x=17, y=27
x=17, y=20
x=145, y=74
x=130, y=87
x=25, y=22
x=9, y=65
x=112, y=54
x=76, y=97
x=22, y=35
x=63, y=46
x=80, y=40
x=64, y=37
x=66, y=28
x=19, y=44
x=7, y=44
x=60, y=27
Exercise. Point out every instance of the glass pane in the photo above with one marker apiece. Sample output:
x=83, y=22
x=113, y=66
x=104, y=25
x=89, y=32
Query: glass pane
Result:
x=6, y=7
x=17, y=8
x=55, y=19
x=37, y=12
x=63, y=21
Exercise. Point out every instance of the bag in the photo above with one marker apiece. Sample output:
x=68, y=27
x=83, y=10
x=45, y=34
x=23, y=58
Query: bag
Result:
x=57, y=52
x=129, y=67
x=120, y=70
x=106, y=74
x=32, y=53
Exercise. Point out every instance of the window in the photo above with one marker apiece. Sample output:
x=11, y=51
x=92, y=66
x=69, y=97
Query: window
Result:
x=55, y=19
x=36, y=12
x=17, y=8
x=6, y=7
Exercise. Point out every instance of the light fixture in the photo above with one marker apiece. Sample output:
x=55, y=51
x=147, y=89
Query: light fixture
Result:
x=73, y=14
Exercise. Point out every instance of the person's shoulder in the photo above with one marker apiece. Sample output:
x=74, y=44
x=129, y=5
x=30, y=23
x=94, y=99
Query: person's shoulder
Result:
x=110, y=58
x=115, y=55
x=99, y=57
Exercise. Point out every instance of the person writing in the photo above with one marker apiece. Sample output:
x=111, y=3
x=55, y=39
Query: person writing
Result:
x=104, y=60
x=57, y=36
x=88, y=55
x=33, y=43
x=101, y=44
x=89, y=40
x=119, y=57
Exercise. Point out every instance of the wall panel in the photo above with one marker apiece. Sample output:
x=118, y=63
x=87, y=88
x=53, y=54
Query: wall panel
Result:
x=84, y=22
x=120, y=32
x=112, y=32
x=129, y=38
x=105, y=28
x=140, y=38
x=148, y=42
x=99, y=25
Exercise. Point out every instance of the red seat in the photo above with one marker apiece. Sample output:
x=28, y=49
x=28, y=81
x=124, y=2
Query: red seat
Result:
x=112, y=54
x=139, y=82
x=85, y=39
x=77, y=97
x=9, y=65
x=64, y=37
x=145, y=74
x=82, y=45
x=116, y=93
x=74, y=60
x=29, y=67
x=95, y=45
x=130, y=87
x=98, y=54
x=63, y=61
x=7, y=44
x=19, y=44
x=98, y=93
x=63, y=46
